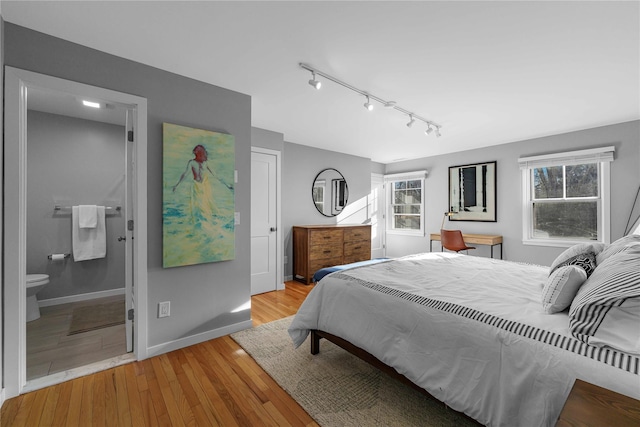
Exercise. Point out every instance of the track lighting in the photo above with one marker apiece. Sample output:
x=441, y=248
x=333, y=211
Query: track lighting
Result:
x=368, y=105
x=411, y=122
x=313, y=82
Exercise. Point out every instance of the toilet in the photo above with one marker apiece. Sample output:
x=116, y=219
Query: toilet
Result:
x=35, y=283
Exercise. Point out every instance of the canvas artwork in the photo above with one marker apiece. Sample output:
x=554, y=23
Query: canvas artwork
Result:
x=198, y=196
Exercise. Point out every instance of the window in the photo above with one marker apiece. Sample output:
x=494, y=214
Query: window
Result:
x=566, y=197
x=406, y=203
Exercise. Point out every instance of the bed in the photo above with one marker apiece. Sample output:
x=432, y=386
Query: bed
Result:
x=499, y=341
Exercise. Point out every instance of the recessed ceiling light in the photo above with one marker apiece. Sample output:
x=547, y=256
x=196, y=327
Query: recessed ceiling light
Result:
x=91, y=104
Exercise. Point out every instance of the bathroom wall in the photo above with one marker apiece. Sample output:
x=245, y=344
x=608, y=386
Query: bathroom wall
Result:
x=72, y=162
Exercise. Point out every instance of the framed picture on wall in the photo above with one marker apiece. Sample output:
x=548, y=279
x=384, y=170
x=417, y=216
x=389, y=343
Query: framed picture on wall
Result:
x=473, y=192
x=198, y=201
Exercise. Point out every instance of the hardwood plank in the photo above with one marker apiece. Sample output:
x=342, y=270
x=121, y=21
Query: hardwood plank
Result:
x=75, y=400
x=60, y=417
x=111, y=400
x=124, y=411
x=87, y=404
x=49, y=409
x=135, y=406
x=99, y=401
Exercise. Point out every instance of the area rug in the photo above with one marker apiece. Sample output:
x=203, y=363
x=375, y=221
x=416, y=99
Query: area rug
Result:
x=338, y=389
x=92, y=317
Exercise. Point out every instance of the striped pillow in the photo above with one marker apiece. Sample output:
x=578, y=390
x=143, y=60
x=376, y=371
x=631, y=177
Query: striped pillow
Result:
x=606, y=310
x=561, y=287
x=616, y=247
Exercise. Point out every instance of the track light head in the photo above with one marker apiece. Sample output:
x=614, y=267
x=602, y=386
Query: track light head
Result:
x=313, y=82
x=368, y=105
x=411, y=122
x=429, y=130
x=437, y=132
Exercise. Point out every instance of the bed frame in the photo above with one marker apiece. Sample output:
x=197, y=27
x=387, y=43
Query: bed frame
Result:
x=317, y=335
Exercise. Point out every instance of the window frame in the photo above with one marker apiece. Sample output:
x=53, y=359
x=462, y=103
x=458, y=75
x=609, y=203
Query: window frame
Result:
x=389, y=182
x=602, y=157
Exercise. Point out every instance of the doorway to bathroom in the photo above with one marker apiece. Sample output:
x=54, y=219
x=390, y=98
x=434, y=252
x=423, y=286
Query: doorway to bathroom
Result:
x=75, y=188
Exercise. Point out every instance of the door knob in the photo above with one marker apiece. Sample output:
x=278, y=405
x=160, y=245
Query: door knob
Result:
x=121, y=238
x=272, y=229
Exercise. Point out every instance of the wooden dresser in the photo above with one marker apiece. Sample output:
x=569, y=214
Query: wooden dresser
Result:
x=320, y=246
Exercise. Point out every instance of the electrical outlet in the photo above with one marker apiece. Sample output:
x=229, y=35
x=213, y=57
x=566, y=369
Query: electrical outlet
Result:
x=164, y=309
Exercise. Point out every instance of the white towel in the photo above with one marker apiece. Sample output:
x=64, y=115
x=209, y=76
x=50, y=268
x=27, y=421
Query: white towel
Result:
x=87, y=216
x=88, y=243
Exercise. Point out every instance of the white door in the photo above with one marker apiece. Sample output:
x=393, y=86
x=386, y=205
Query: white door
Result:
x=376, y=209
x=263, y=223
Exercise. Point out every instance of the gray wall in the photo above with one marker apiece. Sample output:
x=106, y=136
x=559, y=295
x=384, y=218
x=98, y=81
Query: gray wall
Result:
x=267, y=139
x=70, y=162
x=625, y=178
x=201, y=296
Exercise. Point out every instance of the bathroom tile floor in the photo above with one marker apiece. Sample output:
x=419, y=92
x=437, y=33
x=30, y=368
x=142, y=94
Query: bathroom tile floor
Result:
x=50, y=350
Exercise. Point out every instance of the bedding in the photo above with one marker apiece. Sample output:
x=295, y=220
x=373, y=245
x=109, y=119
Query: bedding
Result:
x=318, y=275
x=470, y=331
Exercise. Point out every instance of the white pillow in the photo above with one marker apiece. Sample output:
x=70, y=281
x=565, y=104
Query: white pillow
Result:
x=561, y=287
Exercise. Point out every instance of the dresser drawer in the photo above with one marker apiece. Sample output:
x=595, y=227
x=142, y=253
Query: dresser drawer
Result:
x=322, y=263
x=357, y=251
x=324, y=237
x=324, y=252
x=357, y=233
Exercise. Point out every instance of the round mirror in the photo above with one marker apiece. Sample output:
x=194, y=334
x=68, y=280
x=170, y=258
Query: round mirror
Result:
x=330, y=192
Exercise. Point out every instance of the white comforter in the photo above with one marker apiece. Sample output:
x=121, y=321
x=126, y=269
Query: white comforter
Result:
x=469, y=330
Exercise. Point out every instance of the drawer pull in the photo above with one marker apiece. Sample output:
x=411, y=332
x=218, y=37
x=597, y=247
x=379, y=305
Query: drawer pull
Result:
x=357, y=247
x=326, y=252
x=326, y=237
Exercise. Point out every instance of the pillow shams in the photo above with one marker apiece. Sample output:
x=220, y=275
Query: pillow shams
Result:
x=561, y=287
x=606, y=310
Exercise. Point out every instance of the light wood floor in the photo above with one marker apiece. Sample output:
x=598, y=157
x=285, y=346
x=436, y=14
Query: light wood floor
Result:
x=50, y=350
x=214, y=383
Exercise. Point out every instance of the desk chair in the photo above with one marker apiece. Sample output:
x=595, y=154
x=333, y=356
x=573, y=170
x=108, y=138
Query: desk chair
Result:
x=453, y=241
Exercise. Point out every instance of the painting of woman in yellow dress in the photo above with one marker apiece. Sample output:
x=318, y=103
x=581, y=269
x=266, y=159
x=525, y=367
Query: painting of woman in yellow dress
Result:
x=198, y=196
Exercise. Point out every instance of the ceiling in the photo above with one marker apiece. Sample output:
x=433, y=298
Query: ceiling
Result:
x=488, y=72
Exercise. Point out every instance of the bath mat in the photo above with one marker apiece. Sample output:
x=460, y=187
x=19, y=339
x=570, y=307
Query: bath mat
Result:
x=92, y=317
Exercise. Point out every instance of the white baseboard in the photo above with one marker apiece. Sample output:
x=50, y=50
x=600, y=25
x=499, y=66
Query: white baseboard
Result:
x=288, y=278
x=197, y=339
x=1, y=397
x=80, y=297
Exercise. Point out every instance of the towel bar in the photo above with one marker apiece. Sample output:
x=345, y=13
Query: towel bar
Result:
x=107, y=208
